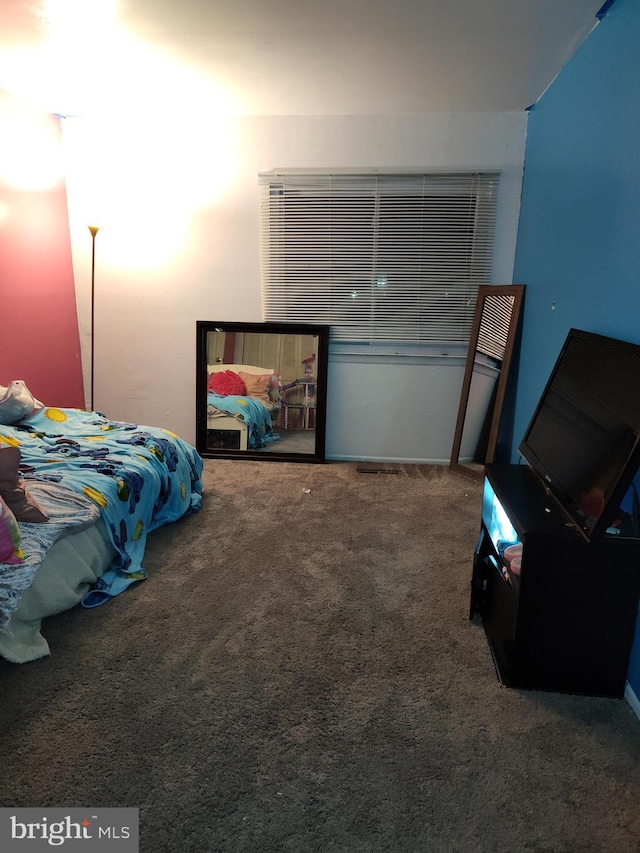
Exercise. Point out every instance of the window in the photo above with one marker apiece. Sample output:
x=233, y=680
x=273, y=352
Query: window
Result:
x=393, y=257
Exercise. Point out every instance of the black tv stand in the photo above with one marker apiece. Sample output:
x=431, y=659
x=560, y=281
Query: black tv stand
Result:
x=566, y=622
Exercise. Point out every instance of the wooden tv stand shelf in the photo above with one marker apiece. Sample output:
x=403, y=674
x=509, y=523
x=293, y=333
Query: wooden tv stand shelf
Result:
x=566, y=622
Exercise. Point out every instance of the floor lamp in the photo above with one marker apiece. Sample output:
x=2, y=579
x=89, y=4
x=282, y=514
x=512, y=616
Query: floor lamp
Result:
x=94, y=230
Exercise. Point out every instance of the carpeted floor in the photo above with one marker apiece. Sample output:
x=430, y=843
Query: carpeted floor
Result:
x=298, y=673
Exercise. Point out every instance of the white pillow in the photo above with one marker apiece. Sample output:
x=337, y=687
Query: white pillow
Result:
x=17, y=402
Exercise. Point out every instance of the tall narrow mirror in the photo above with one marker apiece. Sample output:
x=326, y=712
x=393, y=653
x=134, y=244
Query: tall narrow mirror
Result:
x=261, y=390
x=493, y=336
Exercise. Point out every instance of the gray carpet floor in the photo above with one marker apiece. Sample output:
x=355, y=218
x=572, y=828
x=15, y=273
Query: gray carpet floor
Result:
x=299, y=673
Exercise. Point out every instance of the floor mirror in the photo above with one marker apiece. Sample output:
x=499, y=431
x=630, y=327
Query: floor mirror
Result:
x=491, y=345
x=261, y=390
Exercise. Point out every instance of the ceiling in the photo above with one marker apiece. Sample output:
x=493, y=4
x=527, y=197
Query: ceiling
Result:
x=288, y=57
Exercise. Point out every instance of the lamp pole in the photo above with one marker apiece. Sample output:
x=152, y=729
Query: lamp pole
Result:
x=94, y=230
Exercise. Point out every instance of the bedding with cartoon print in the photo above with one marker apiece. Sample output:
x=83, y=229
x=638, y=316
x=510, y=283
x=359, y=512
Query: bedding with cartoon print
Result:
x=250, y=411
x=138, y=477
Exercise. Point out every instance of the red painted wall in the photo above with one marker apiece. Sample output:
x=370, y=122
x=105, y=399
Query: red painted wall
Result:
x=39, y=338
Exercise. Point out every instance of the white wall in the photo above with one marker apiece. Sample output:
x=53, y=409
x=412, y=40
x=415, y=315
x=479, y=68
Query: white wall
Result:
x=180, y=244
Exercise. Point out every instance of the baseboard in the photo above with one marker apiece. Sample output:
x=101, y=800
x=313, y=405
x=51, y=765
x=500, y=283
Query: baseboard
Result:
x=632, y=699
x=345, y=457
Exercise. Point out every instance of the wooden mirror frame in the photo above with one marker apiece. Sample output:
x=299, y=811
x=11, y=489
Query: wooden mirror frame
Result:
x=203, y=329
x=475, y=470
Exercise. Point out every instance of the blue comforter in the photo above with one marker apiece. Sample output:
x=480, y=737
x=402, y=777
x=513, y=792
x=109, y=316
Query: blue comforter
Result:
x=139, y=477
x=252, y=412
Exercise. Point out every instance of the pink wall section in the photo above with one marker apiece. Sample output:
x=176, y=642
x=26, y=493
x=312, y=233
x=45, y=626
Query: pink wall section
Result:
x=39, y=338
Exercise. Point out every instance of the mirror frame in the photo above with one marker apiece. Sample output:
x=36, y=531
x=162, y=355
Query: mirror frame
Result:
x=485, y=290
x=203, y=328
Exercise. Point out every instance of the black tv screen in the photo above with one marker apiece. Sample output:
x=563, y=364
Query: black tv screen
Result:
x=583, y=438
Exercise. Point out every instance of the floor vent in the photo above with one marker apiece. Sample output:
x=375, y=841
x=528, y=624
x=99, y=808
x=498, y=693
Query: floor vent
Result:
x=377, y=468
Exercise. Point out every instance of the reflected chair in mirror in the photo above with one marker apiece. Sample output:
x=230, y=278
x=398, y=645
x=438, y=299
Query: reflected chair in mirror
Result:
x=491, y=347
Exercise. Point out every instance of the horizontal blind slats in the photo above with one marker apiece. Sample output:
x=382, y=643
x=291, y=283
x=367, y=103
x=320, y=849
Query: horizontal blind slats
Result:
x=377, y=257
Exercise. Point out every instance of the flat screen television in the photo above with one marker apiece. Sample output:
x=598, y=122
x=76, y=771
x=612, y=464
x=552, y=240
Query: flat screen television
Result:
x=583, y=441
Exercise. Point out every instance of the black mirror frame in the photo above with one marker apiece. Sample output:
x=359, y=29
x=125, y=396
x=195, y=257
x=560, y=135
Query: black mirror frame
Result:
x=517, y=291
x=203, y=327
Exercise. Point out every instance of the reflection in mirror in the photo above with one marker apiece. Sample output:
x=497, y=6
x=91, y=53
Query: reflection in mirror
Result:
x=493, y=335
x=261, y=390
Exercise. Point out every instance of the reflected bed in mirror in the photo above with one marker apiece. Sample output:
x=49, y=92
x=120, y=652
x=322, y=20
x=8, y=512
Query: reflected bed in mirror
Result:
x=491, y=345
x=261, y=390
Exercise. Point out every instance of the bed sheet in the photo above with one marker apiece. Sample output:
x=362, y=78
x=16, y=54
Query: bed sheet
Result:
x=68, y=513
x=69, y=570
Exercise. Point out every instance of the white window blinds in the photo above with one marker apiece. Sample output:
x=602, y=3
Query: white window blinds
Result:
x=378, y=257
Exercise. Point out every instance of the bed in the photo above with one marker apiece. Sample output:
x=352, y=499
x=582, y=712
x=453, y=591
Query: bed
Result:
x=244, y=419
x=100, y=487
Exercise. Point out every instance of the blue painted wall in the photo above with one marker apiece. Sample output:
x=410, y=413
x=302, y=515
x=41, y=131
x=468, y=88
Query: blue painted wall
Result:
x=579, y=237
